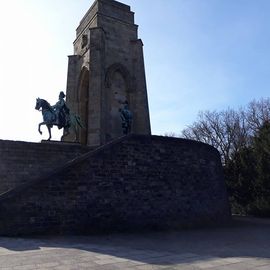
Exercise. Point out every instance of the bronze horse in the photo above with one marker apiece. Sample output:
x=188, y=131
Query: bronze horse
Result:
x=50, y=119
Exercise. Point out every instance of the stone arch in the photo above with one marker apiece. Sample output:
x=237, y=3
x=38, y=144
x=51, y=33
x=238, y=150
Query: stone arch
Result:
x=83, y=99
x=118, y=89
x=117, y=67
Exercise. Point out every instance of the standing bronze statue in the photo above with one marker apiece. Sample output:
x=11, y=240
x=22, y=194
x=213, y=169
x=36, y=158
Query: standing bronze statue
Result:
x=126, y=117
x=58, y=115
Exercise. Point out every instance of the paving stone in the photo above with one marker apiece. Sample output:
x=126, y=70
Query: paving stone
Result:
x=25, y=267
x=265, y=267
x=244, y=247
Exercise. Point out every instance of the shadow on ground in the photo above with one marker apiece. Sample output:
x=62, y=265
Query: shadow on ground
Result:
x=245, y=237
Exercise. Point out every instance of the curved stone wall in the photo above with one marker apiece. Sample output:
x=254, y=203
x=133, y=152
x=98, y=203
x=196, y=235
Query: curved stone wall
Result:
x=136, y=183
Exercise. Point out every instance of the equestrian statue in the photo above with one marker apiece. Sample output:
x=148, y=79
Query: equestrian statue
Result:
x=58, y=115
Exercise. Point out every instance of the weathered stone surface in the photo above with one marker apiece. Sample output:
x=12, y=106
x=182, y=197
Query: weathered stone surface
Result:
x=135, y=183
x=106, y=69
x=21, y=161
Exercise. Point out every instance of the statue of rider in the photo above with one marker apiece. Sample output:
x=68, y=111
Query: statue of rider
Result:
x=126, y=117
x=61, y=111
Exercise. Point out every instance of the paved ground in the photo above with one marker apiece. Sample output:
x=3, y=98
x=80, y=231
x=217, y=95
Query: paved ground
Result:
x=241, y=246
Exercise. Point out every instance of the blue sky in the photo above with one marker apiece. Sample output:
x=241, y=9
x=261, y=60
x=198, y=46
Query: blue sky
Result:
x=199, y=55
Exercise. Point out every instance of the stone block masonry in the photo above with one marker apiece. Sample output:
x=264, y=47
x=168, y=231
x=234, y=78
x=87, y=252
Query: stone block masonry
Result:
x=106, y=70
x=135, y=183
x=22, y=161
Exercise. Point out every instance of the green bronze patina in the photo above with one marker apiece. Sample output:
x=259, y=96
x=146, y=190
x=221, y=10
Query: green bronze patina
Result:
x=58, y=115
x=126, y=117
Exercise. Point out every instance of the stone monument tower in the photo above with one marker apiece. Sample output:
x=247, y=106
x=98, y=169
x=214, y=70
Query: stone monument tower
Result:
x=106, y=70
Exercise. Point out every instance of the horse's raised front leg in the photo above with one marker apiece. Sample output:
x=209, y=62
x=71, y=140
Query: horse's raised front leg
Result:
x=39, y=130
x=49, y=130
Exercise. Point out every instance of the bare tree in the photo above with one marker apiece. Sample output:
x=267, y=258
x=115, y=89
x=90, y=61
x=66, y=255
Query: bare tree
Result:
x=171, y=134
x=229, y=130
x=257, y=113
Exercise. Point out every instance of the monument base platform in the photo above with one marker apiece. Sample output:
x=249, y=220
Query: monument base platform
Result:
x=61, y=142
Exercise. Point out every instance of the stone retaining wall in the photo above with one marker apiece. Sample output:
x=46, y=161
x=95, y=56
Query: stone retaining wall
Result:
x=22, y=161
x=136, y=183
